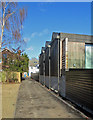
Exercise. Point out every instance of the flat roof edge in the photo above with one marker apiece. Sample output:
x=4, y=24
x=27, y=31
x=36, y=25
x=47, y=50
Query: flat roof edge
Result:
x=76, y=34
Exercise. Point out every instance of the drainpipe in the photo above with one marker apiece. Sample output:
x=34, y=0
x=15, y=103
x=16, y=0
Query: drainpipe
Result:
x=49, y=46
x=44, y=65
x=58, y=37
x=66, y=56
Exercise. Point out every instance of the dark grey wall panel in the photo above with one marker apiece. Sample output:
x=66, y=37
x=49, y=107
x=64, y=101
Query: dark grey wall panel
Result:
x=54, y=58
x=41, y=64
x=47, y=62
x=79, y=87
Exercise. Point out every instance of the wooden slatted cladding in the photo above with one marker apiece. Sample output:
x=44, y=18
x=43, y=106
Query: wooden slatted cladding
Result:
x=79, y=87
x=76, y=55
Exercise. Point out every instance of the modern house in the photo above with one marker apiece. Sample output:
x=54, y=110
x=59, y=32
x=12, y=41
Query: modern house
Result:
x=66, y=66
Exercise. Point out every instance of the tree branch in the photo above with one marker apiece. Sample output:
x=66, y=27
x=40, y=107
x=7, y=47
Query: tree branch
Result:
x=7, y=5
x=0, y=22
x=6, y=18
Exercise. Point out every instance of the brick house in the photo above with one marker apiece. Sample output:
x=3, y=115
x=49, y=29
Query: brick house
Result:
x=8, y=57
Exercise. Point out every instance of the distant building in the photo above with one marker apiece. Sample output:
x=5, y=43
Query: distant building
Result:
x=33, y=66
x=33, y=69
x=33, y=62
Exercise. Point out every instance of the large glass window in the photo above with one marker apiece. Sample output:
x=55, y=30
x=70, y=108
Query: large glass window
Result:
x=89, y=56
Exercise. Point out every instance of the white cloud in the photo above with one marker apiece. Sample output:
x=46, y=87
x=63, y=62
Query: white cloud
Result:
x=26, y=39
x=45, y=31
x=30, y=48
x=33, y=34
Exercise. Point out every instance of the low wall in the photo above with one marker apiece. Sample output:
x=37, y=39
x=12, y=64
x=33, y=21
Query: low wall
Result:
x=7, y=77
x=47, y=81
x=79, y=87
x=62, y=86
x=41, y=79
x=35, y=76
x=54, y=83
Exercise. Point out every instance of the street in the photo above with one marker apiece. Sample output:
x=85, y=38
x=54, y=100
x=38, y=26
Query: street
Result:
x=35, y=101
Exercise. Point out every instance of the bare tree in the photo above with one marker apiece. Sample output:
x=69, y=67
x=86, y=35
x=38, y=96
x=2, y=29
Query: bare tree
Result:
x=11, y=23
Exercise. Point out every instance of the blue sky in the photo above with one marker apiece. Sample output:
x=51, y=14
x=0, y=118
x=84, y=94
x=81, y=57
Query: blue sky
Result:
x=45, y=18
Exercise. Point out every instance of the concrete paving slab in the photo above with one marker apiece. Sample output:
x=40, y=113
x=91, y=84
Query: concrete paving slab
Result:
x=34, y=101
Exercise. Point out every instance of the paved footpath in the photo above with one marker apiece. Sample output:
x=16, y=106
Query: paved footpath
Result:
x=35, y=101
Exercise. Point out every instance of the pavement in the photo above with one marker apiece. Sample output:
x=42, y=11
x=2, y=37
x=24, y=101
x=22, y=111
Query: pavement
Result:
x=35, y=101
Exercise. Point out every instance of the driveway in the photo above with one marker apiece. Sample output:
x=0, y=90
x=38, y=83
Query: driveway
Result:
x=35, y=101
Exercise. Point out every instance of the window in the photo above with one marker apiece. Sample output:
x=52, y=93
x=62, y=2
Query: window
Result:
x=89, y=56
x=5, y=55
